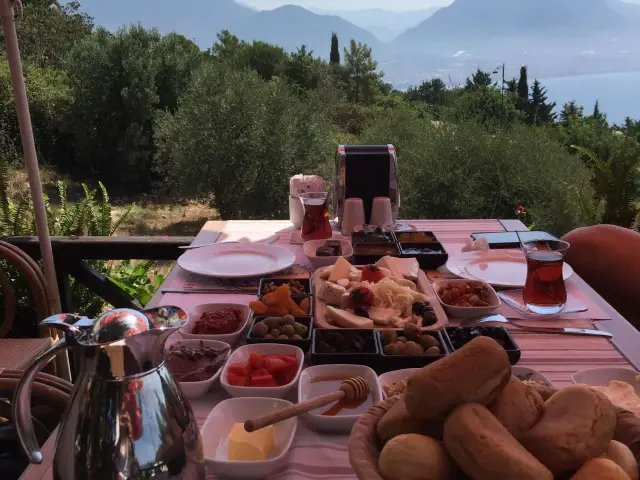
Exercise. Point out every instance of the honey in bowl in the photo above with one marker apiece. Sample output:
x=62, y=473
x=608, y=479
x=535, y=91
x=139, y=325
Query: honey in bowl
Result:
x=323, y=385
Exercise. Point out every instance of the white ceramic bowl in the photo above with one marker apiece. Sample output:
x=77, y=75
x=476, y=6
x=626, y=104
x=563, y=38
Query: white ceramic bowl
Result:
x=196, y=312
x=217, y=427
x=530, y=374
x=194, y=390
x=310, y=247
x=388, y=379
x=600, y=377
x=241, y=355
x=467, y=312
x=339, y=423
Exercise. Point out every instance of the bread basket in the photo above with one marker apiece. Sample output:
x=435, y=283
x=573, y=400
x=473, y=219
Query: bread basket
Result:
x=364, y=447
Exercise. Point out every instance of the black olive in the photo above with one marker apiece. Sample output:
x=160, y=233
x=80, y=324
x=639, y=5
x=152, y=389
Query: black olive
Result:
x=361, y=312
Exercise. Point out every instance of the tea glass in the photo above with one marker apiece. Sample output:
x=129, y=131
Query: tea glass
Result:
x=545, y=292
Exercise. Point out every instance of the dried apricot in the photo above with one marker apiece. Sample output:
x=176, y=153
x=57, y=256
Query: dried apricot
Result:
x=277, y=310
x=291, y=305
x=258, y=307
x=305, y=306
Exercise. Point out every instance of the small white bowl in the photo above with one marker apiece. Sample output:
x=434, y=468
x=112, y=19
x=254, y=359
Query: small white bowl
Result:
x=467, y=312
x=311, y=246
x=600, y=377
x=388, y=379
x=338, y=423
x=241, y=355
x=217, y=427
x=196, y=312
x=530, y=374
x=194, y=390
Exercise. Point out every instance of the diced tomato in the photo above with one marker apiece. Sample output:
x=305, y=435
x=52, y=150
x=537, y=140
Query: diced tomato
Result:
x=259, y=372
x=290, y=359
x=256, y=361
x=289, y=375
x=275, y=365
x=236, y=380
x=242, y=369
x=262, y=381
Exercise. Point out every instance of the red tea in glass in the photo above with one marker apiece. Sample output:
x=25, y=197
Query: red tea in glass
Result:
x=315, y=224
x=544, y=290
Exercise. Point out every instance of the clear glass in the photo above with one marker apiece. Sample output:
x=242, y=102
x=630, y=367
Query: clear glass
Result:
x=544, y=291
x=315, y=224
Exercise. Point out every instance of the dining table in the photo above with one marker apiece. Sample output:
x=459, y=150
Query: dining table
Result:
x=318, y=455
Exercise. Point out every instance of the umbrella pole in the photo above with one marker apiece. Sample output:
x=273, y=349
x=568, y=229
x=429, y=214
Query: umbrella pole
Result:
x=31, y=162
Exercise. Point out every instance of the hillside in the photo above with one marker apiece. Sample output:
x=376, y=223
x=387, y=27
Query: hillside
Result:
x=288, y=26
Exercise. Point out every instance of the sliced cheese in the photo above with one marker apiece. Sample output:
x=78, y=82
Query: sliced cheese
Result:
x=390, y=264
x=251, y=447
x=340, y=270
x=345, y=319
x=401, y=267
x=332, y=293
x=381, y=315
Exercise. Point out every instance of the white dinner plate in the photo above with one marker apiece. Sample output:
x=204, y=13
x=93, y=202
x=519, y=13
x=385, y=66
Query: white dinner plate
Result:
x=503, y=268
x=237, y=260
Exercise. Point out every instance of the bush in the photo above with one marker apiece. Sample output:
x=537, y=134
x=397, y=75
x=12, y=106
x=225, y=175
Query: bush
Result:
x=462, y=171
x=238, y=138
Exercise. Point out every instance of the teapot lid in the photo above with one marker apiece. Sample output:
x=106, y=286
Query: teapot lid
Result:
x=125, y=322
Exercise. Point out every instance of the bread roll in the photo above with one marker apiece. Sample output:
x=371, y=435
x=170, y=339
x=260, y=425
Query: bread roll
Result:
x=476, y=373
x=484, y=449
x=416, y=457
x=397, y=421
x=620, y=454
x=578, y=424
x=600, y=469
x=518, y=407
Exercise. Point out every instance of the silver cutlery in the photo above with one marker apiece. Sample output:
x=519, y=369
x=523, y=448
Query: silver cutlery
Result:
x=210, y=291
x=191, y=247
x=516, y=306
x=555, y=330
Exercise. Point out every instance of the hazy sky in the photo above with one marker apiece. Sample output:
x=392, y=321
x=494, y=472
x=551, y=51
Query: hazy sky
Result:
x=349, y=5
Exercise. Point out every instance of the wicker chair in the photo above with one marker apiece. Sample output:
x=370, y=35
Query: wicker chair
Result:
x=16, y=354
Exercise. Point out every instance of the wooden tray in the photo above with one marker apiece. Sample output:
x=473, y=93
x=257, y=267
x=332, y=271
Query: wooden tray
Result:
x=424, y=286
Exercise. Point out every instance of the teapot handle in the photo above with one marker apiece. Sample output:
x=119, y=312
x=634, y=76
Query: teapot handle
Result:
x=22, y=402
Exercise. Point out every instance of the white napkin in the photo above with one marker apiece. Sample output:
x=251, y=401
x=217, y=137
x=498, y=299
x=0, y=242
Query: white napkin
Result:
x=476, y=245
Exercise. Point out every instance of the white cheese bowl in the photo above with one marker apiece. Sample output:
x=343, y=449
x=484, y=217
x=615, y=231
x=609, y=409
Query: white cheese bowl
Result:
x=217, y=427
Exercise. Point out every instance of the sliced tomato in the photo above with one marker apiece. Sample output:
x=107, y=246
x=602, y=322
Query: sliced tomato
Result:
x=236, y=380
x=275, y=365
x=259, y=372
x=256, y=360
x=262, y=381
x=242, y=369
x=290, y=359
x=289, y=375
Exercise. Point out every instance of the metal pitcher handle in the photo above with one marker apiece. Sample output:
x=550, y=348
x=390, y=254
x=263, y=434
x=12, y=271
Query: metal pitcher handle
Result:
x=22, y=402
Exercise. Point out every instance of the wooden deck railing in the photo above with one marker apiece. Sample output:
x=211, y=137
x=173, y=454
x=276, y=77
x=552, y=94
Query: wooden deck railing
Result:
x=72, y=256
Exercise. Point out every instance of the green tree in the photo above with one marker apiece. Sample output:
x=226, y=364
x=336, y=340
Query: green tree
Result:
x=334, y=58
x=266, y=59
x=299, y=69
x=598, y=116
x=511, y=86
x=478, y=79
x=540, y=111
x=570, y=110
x=360, y=69
x=432, y=92
x=484, y=105
x=523, y=90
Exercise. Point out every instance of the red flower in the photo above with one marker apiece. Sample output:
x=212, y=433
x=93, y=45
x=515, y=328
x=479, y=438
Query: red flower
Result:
x=165, y=235
x=520, y=210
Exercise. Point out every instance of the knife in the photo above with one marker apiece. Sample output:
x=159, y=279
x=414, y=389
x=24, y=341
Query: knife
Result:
x=525, y=328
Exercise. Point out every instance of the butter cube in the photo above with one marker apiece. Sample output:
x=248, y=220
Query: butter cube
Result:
x=251, y=447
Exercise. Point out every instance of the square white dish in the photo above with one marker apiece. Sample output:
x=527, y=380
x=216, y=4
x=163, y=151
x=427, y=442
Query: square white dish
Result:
x=196, y=312
x=388, y=379
x=241, y=355
x=467, y=312
x=344, y=421
x=309, y=247
x=194, y=390
x=217, y=427
x=600, y=377
x=524, y=373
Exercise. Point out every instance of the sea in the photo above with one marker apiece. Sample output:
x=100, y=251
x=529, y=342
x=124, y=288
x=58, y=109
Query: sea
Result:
x=618, y=94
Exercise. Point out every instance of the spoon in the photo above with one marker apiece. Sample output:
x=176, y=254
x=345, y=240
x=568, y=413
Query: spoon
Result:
x=355, y=389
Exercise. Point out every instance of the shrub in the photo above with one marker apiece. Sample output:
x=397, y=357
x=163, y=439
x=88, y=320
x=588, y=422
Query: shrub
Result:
x=238, y=138
x=464, y=171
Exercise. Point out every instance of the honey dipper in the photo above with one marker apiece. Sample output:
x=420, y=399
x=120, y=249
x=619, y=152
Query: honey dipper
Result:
x=355, y=389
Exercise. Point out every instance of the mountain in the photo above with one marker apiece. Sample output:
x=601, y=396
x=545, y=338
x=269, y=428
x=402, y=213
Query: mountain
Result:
x=386, y=25
x=467, y=21
x=200, y=20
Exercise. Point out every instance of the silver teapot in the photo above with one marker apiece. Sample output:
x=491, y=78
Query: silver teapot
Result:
x=127, y=418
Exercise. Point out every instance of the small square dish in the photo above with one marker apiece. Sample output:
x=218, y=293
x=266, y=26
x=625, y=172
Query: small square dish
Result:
x=224, y=322
x=374, y=236
x=261, y=370
x=416, y=237
x=217, y=428
x=429, y=255
x=395, y=382
x=602, y=377
x=466, y=298
x=460, y=336
x=312, y=250
x=402, y=349
x=280, y=330
x=529, y=375
x=339, y=417
x=297, y=286
x=344, y=346
x=195, y=364
x=366, y=253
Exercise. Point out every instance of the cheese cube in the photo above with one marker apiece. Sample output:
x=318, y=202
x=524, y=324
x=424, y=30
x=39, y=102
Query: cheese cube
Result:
x=251, y=447
x=340, y=270
x=345, y=319
x=331, y=293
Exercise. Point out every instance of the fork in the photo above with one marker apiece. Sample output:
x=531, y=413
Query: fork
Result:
x=557, y=330
x=191, y=247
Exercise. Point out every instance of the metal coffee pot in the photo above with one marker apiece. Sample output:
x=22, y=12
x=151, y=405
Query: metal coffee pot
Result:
x=127, y=418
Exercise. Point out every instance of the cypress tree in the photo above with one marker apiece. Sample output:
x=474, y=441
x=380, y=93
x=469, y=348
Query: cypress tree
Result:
x=523, y=91
x=540, y=112
x=334, y=58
